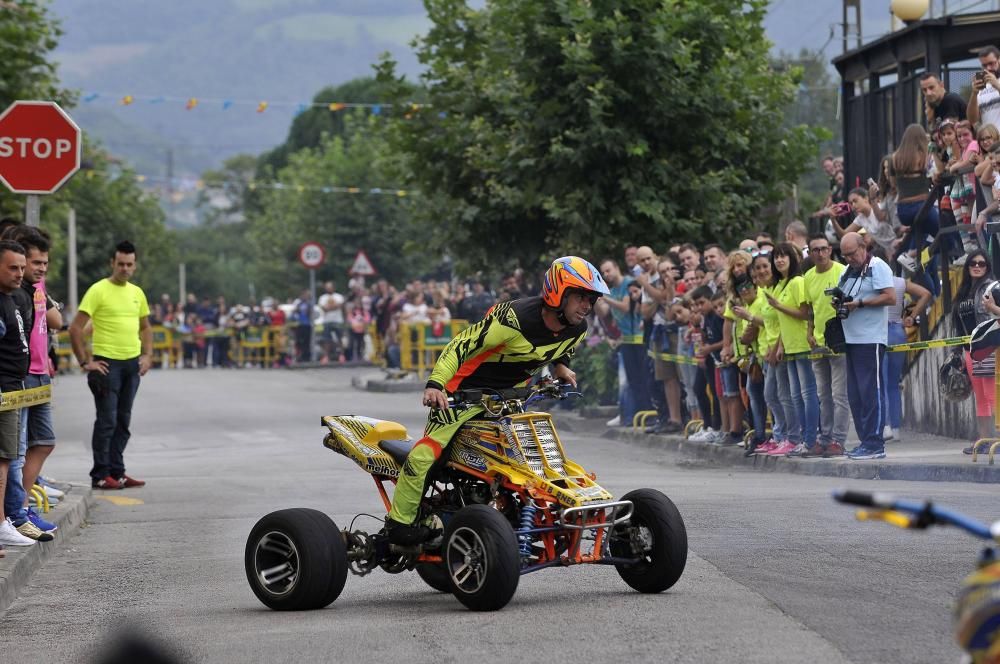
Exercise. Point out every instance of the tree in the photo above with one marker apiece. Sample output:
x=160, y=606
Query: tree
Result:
x=566, y=127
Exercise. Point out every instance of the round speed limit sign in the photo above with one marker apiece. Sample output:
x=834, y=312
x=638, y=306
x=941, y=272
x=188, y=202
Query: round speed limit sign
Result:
x=311, y=255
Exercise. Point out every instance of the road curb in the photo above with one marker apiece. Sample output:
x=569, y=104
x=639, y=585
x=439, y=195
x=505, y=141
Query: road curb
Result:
x=21, y=563
x=719, y=455
x=387, y=385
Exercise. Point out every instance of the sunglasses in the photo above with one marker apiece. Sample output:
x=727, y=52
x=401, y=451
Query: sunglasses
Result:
x=978, y=263
x=760, y=252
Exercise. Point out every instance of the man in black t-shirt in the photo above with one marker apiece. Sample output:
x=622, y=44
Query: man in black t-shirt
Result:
x=14, y=325
x=938, y=102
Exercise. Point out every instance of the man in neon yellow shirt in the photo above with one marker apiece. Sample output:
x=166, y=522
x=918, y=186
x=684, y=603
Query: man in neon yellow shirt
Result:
x=831, y=372
x=122, y=353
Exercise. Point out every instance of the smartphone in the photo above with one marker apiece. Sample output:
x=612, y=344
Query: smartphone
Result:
x=872, y=183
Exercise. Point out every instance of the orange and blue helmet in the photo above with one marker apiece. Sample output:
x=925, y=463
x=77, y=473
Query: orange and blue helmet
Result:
x=570, y=273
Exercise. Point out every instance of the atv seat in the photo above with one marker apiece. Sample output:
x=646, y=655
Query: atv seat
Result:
x=397, y=449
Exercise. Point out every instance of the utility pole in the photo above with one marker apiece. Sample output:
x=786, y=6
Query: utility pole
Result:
x=856, y=25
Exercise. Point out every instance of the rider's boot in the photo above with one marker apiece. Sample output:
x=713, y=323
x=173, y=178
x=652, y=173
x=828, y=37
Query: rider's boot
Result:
x=406, y=534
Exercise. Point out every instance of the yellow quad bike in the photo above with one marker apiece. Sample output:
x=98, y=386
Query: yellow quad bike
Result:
x=503, y=501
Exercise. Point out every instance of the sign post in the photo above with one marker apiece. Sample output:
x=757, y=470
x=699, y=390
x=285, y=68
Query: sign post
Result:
x=40, y=150
x=312, y=255
x=362, y=266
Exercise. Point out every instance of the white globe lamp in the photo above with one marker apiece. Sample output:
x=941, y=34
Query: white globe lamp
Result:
x=909, y=11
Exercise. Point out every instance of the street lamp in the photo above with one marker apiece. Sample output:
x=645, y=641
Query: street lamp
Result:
x=909, y=11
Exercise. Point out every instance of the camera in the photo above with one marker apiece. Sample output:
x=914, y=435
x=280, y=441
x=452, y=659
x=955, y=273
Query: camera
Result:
x=839, y=300
x=980, y=75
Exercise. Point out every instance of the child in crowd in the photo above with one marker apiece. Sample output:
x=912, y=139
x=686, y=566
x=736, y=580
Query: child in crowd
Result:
x=707, y=353
x=682, y=315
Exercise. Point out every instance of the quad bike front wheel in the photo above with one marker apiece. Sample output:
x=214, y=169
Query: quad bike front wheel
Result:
x=296, y=560
x=481, y=558
x=656, y=536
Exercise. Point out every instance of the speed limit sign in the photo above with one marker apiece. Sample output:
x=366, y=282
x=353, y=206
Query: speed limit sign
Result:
x=311, y=255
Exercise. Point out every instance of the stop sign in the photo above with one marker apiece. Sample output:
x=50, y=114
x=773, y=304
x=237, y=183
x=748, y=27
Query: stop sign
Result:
x=39, y=147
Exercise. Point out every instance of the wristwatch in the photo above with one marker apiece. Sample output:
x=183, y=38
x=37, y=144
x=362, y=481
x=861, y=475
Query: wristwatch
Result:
x=861, y=304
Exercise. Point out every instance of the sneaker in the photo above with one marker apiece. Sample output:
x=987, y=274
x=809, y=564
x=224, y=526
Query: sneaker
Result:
x=722, y=438
x=30, y=530
x=405, y=534
x=9, y=535
x=43, y=525
x=669, y=427
x=107, y=483
x=782, y=449
x=833, y=449
x=126, y=482
x=861, y=452
x=766, y=446
x=907, y=262
x=704, y=435
x=801, y=450
x=887, y=433
x=49, y=490
x=615, y=421
x=894, y=435
x=984, y=448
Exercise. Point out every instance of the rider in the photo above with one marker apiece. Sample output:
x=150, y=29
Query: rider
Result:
x=505, y=349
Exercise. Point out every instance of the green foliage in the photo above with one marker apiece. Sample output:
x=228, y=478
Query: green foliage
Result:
x=596, y=367
x=110, y=207
x=570, y=126
x=283, y=219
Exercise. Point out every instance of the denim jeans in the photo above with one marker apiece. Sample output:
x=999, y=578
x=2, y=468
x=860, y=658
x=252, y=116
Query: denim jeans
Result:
x=802, y=385
x=834, y=410
x=907, y=213
x=114, y=394
x=892, y=370
x=633, y=361
x=791, y=402
x=15, y=495
x=773, y=400
x=758, y=409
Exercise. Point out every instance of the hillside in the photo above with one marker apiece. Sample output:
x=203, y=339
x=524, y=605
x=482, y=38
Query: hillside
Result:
x=236, y=51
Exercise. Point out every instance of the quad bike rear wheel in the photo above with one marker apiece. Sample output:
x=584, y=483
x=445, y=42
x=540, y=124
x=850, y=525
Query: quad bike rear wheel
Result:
x=434, y=575
x=481, y=558
x=656, y=536
x=296, y=560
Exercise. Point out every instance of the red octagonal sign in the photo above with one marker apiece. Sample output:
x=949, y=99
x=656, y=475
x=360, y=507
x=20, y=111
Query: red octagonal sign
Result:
x=39, y=147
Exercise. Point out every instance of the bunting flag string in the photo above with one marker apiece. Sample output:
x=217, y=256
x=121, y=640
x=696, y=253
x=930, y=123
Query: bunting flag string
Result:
x=259, y=105
x=253, y=185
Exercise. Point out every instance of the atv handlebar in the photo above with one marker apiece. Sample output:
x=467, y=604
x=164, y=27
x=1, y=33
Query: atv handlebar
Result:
x=913, y=513
x=463, y=399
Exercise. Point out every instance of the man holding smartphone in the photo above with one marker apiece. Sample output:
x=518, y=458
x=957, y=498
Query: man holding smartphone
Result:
x=984, y=103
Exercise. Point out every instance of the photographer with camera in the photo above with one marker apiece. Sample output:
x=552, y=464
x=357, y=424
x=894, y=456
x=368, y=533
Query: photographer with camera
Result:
x=984, y=100
x=866, y=291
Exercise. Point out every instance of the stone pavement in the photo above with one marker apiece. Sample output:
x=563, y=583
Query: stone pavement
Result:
x=21, y=562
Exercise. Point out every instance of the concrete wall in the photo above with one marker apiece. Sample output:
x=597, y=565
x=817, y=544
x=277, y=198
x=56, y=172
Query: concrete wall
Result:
x=924, y=409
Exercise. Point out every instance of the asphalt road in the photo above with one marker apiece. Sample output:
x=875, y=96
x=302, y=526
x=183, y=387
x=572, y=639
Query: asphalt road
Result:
x=776, y=573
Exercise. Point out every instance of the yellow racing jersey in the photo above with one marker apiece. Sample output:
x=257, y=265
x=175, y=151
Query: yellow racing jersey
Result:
x=505, y=349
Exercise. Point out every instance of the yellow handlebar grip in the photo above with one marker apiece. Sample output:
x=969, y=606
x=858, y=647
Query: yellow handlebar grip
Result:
x=898, y=519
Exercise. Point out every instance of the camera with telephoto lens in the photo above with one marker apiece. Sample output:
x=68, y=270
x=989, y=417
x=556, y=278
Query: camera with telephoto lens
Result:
x=839, y=300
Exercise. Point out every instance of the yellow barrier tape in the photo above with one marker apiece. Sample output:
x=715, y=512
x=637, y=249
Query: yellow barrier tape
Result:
x=25, y=398
x=822, y=352
x=932, y=343
x=677, y=359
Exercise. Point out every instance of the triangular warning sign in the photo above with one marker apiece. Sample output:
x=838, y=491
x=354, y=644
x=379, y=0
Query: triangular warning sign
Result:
x=362, y=267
